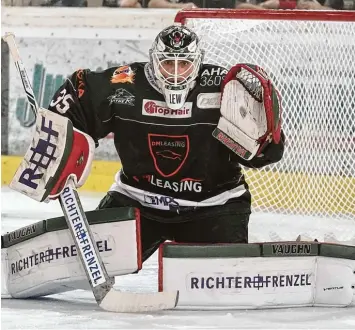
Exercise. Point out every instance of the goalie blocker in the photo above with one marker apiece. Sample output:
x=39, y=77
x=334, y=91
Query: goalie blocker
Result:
x=58, y=153
x=259, y=275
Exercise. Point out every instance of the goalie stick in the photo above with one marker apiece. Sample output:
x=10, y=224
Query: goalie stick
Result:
x=102, y=285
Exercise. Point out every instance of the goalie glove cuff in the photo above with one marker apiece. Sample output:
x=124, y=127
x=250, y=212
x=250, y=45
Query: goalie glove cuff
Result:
x=235, y=139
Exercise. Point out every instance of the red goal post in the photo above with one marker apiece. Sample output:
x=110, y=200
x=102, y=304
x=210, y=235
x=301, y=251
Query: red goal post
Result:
x=310, y=56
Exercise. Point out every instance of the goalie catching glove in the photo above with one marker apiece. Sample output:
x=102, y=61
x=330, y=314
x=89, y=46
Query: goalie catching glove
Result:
x=58, y=153
x=250, y=111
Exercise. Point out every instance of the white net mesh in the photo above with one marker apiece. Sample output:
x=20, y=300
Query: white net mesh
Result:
x=312, y=63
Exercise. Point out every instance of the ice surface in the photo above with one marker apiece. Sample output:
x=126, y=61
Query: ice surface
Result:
x=78, y=309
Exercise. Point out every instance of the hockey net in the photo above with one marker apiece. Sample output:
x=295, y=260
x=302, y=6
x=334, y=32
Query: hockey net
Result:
x=310, y=56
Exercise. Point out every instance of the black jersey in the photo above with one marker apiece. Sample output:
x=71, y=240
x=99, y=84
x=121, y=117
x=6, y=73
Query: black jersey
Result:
x=169, y=157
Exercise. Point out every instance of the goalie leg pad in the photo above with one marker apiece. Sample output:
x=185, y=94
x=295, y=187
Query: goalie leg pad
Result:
x=258, y=275
x=41, y=259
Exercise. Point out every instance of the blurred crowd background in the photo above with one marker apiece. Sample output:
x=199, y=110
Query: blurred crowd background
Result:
x=239, y=4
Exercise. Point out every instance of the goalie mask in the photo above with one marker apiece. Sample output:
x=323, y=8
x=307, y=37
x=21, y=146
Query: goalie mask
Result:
x=176, y=59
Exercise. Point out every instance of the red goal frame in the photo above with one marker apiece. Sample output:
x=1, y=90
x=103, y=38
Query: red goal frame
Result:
x=295, y=15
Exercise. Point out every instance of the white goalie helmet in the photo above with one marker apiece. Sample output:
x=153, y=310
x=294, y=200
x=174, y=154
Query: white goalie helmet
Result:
x=175, y=59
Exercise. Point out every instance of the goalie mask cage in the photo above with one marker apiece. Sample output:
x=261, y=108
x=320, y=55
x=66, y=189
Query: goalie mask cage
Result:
x=310, y=57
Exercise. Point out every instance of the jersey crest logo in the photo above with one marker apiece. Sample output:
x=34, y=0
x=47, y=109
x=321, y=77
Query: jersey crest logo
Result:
x=169, y=152
x=123, y=74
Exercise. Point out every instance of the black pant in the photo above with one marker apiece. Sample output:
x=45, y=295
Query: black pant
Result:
x=217, y=224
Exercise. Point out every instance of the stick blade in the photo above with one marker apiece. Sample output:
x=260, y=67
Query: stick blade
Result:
x=128, y=302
